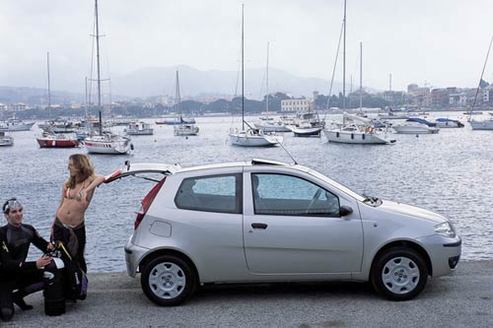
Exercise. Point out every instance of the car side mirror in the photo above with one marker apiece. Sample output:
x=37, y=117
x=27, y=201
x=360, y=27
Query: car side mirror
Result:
x=345, y=210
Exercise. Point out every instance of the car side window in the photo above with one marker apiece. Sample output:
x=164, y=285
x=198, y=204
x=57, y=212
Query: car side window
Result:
x=281, y=194
x=218, y=193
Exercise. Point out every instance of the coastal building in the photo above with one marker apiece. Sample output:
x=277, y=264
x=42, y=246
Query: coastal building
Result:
x=296, y=105
x=419, y=96
x=17, y=107
x=3, y=107
x=457, y=99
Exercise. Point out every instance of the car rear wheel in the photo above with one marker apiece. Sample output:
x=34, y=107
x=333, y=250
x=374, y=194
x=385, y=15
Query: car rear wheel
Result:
x=168, y=280
x=399, y=274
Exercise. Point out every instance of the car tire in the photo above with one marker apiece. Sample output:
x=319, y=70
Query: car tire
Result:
x=168, y=280
x=399, y=274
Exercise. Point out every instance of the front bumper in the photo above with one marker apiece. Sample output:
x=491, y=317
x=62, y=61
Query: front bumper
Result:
x=444, y=253
x=133, y=256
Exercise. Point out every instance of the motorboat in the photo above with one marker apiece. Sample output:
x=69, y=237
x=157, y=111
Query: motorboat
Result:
x=174, y=120
x=413, y=127
x=448, y=123
x=307, y=124
x=272, y=126
x=6, y=140
x=15, y=125
x=306, y=130
x=139, y=129
x=58, y=126
x=185, y=130
x=51, y=140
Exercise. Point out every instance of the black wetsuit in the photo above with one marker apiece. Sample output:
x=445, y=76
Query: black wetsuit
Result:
x=15, y=272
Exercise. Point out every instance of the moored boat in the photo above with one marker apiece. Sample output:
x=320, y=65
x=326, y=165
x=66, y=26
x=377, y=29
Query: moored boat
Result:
x=50, y=140
x=6, y=140
x=139, y=129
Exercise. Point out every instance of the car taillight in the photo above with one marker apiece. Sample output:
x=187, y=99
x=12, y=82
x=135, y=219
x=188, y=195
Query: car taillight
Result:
x=147, y=201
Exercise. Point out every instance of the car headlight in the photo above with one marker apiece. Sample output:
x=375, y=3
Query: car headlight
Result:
x=445, y=229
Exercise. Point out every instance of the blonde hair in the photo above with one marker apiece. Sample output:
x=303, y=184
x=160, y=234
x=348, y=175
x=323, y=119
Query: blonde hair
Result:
x=84, y=169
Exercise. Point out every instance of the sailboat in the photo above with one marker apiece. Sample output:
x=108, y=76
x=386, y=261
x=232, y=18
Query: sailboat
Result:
x=49, y=139
x=104, y=142
x=250, y=137
x=184, y=129
x=268, y=123
x=355, y=129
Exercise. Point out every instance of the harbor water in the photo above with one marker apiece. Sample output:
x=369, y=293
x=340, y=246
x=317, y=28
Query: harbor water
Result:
x=449, y=173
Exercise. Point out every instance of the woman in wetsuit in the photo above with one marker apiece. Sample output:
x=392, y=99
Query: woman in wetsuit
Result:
x=15, y=271
x=77, y=192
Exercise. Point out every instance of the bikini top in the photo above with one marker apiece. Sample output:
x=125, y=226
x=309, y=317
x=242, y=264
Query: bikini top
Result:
x=77, y=196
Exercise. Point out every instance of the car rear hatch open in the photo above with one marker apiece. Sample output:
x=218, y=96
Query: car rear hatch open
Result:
x=140, y=170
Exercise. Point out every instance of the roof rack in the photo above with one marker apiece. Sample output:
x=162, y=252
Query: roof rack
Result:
x=260, y=161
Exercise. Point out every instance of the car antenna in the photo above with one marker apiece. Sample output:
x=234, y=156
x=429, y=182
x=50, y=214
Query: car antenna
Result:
x=287, y=152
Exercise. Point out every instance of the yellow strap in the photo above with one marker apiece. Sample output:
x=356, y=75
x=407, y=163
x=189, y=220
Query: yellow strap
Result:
x=5, y=247
x=60, y=244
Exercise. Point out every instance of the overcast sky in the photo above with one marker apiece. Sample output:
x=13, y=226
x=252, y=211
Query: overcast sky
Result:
x=438, y=42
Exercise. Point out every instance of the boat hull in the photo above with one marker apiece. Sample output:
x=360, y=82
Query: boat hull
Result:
x=415, y=130
x=6, y=141
x=239, y=139
x=306, y=132
x=16, y=127
x=54, y=143
x=360, y=138
x=482, y=125
x=118, y=146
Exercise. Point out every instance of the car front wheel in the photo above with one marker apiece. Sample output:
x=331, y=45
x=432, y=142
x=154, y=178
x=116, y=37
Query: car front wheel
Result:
x=399, y=274
x=168, y=280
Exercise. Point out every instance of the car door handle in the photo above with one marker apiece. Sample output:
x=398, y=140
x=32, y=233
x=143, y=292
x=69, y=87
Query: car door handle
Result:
x=259, y=226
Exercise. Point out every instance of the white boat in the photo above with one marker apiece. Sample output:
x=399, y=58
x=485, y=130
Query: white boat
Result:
x=307, y=124
x=174, y=120
x=272, y=126
x=253, y=138
x=15, y=125
x=6, y=140
x=414, y=128
x=306, y=130
x=185, y=130
x=249, y=137
x=357, y=130
x=482, y=125
x=139, y=129
x=104, y=142
x=354, y=134
x=108, y=143
x=448, y=123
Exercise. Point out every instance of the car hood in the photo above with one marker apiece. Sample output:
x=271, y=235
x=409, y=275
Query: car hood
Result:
x=411, y=211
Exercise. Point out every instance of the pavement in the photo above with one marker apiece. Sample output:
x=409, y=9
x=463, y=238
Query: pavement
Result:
x=463, y=299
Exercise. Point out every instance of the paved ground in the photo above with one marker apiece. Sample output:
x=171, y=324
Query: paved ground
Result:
x=464, y=299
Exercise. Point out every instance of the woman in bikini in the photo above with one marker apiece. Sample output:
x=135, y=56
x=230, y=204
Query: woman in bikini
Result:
x=77, y=193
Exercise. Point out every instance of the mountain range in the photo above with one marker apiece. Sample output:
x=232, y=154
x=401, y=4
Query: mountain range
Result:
x=194, y=84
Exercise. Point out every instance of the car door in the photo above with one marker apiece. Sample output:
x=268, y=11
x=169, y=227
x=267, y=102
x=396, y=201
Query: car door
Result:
x=294, y=226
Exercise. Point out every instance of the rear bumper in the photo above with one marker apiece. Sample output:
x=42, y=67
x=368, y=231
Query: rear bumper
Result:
x=133, y=256
x=444, y=253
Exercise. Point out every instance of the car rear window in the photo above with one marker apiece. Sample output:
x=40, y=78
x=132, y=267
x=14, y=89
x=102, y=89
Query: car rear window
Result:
x=218, y=193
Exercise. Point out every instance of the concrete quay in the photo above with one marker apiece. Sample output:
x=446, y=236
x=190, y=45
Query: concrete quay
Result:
x=464, y=299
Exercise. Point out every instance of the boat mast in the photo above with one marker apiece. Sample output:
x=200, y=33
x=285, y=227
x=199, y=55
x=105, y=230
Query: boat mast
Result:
x=98, y=68
x=177, y=95
x=344, y=61
x=49, y=86
x=267, y=81
x=361, y=77
x=242, y=67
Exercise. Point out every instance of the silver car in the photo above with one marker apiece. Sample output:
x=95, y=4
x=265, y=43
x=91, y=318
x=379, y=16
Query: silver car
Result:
x=265, y=221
